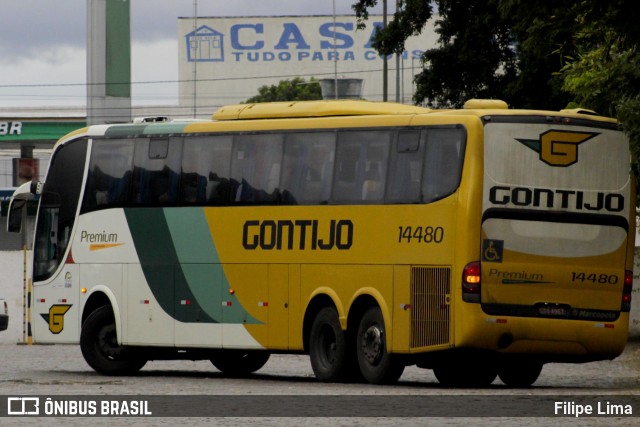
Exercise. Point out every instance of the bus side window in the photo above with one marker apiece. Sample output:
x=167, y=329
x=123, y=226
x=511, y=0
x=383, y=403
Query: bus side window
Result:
x=443, y=162
x=155, y=173
x=206, y=166
x=307, y=168
x=362, y=158
x=405, y=169
x=255, y=169
x=194, y=188
x=109, y=177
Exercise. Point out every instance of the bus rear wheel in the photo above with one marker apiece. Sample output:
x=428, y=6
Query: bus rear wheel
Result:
x=520, y=374
x=457, y=375
x=377, y=365
x=327, y=346
x=100, y=348
x=239, y=363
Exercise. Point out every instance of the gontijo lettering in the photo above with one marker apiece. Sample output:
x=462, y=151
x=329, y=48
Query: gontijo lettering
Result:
x=563, y=199
x=299, y=234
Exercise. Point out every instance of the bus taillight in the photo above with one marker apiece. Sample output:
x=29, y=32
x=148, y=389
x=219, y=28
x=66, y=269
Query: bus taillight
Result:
x=626, y=291
x=471, y=282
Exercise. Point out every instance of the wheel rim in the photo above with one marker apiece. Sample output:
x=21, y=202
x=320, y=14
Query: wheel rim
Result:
x=373, y=344
x=328, y=345
x=108, y=343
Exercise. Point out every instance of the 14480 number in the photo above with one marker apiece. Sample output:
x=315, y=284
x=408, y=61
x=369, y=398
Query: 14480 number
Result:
x=420, y=234
x=611, y=279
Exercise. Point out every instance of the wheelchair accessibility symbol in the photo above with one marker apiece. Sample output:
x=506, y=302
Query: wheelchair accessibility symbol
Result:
x=492, y=250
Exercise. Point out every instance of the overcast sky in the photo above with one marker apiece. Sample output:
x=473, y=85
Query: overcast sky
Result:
x=43, y=45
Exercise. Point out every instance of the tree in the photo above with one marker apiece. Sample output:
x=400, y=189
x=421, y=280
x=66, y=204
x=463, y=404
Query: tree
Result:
x=531, y=53
x=542, y=34
x=475, y=58
x=487, y=49
x=289, y=90
x=605, y=73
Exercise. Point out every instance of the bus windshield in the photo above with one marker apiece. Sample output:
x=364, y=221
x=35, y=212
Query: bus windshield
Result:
x=58, y=208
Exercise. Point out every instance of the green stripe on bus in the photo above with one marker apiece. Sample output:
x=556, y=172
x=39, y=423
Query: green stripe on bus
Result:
x=165, y=129
x=161, y=267
x=200, y=264
x=144, y=129
x=175, y=247
x=124, y=130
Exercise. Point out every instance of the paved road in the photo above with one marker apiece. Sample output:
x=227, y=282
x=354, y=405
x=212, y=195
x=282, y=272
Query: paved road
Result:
x=60, y=370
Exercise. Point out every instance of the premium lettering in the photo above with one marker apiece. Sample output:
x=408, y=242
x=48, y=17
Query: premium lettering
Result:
x=103, y=237
x=515, y=275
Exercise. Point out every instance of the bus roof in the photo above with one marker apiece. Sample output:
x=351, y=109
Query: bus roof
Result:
x=328, y=108
x=303, y=109
x=234, y=114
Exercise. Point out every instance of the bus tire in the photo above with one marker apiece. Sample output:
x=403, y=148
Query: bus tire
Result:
x=327, y=346
x=377, y=365
x=239, y=363
x=520, y=374
x=100, y=348
x=459, y=375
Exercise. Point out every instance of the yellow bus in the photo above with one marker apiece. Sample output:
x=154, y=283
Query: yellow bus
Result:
x=478, y=242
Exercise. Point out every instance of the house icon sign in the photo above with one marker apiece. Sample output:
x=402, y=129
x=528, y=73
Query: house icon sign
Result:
x=205, y=45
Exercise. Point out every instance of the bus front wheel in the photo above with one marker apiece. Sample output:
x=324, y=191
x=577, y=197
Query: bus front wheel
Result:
x=377, y=365
x=239, y=363
x=100, y=348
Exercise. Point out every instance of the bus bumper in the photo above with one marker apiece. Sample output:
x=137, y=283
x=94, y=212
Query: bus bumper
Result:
x=556, y=340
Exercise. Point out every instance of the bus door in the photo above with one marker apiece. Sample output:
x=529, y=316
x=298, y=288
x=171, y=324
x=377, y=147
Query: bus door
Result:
x=56, y=290
x=55, y=301
x=555, y=220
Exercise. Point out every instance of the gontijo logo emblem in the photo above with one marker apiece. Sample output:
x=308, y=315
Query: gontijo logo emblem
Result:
x=55, y=317
x=558, y=147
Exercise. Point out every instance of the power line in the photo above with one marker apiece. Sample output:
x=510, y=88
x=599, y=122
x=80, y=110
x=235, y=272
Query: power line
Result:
x=44, y=85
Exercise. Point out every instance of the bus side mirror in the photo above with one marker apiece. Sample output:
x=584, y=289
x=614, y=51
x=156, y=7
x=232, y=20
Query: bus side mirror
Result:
x=27, y=191
x=14, y=216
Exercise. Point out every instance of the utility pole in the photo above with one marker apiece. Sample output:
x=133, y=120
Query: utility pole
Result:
x=335, y=55
x=397, y=64
x=385, y=63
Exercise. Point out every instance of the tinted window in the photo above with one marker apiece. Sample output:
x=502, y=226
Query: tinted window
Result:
x=361, y=166
x=405, y=174
x=305, y=167
x=443, y=162
x=109, y=176
x=308, y=168
x=156, y=172
x=206, y=168
x=255, y=168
